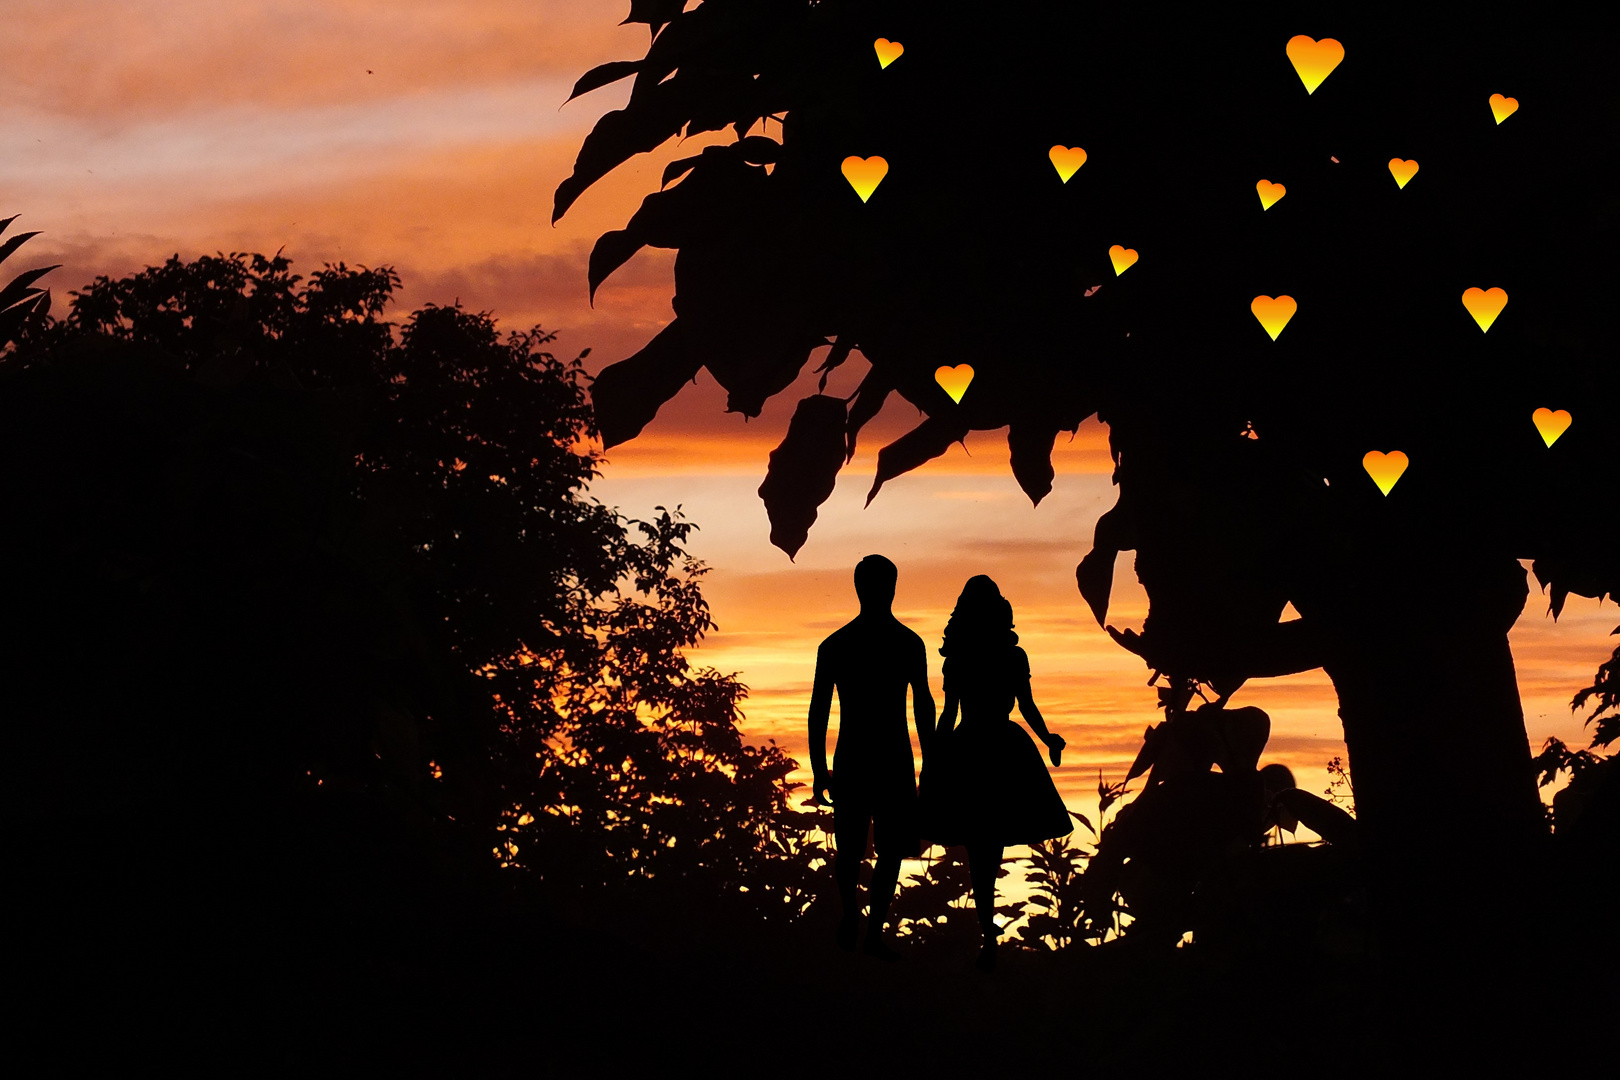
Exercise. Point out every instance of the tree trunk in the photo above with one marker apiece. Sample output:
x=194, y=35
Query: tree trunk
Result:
x=1453, y=829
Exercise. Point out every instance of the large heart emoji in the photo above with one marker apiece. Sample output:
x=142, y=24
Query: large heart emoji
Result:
x=1067, y=160
x=1484, y=305
x=1274, y=313
x=1385, y=469
x=1503, y=107
x=865, y=174
x=887, y=51
x=954, y=380
x=1314, y=60
x=1123, y=258
x=1402, y=171
x=1269, y=193
x=1551, y=424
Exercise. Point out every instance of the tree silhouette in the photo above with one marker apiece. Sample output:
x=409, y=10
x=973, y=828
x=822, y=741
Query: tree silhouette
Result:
x=1239, y=456
x=355, y=625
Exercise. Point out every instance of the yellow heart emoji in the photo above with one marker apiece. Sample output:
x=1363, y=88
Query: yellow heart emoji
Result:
x=1274, y=313
x=1269, y=193
x=1402, y=171
x=865, y=174
x=1551, y=424
x=954, y=380
x=1385, y=469
x=1484, y=305
x=1313, y=60
x=1067, y=160
x=887, y=51
x=1503, y=107
x=1123, y=258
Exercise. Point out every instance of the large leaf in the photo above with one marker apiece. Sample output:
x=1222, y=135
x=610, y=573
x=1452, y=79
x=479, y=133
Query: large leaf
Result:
x=628, y=394
x=1030, y=445
x=803, y=470
x=619, y=136
x=1095, y=576
x=923, y=443
x=602, y=75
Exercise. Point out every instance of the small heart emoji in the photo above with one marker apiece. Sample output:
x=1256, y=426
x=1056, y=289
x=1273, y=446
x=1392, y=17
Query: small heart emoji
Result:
x=887, y=51
x=1402, y=171
x=1484, y=305
x=954, y=380
x=1313, y=60
x=1269, y=193
x=865, y=174
x=1123, y=258
x=1385, y=469
x=1551, y=424
x=1274, y=313
x=1067, y=160
x=1503, y=107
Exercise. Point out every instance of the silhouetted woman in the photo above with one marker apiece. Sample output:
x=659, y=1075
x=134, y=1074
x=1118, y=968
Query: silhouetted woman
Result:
x=984, y=783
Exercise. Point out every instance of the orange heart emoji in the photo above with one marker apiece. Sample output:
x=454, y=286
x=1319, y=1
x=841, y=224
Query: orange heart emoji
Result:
x=1067, y=160
x=865, y=174
x=1123, y=258
x=1274, y=314
x=887, y=51
x=1484, y=305
x=1314, y=60
x=1269, y=193
x=1402, y=171
x=1385, y=469
x=1503, y=107
x=954, y=380
x=1551, y=424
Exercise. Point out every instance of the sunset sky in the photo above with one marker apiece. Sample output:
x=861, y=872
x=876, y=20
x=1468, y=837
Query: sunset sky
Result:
x=429, y=135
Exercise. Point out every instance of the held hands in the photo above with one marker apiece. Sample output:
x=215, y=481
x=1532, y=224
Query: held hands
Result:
x=1054, y=746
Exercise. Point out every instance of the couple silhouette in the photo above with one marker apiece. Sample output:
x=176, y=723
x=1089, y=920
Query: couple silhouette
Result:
x=983, y=785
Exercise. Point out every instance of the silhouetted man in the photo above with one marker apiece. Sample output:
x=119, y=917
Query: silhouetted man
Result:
x=871, y=660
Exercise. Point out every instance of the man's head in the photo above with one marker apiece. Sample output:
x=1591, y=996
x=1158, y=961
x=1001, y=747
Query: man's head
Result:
x=874, y=583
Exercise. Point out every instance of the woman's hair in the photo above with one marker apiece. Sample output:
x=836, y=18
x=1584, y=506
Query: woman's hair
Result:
x=982, y=621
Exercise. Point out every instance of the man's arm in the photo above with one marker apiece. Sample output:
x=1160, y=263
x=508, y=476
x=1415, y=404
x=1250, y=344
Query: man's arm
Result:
x=820, y=709
x=922, y=702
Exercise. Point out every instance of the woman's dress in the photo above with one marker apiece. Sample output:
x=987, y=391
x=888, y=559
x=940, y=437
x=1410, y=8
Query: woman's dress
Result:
x=986, y=781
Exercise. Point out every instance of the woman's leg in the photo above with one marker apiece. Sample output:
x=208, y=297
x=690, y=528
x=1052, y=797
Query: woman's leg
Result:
x=984, y=865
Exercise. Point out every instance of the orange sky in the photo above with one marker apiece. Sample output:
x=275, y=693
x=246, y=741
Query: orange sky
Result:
x=428, y=135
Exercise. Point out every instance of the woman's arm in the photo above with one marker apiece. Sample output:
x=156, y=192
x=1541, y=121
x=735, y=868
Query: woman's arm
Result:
x=1032, y=716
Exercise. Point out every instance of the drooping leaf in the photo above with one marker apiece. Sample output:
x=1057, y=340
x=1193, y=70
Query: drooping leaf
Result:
x=1095, y=576
x=803, y=470
x=835, y=358
x=874, y=390
x=619, y=136
x=1029, y=443
x=923, y=443
x=602, y=75
x=613, y=249
x=628, y=394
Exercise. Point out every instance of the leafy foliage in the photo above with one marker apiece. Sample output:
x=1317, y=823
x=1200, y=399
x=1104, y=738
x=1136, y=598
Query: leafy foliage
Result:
x=20, y=300
x=385, y=530
x=1238, y=457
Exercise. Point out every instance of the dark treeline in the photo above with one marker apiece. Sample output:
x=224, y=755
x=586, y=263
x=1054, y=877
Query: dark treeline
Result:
x=343, y=728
